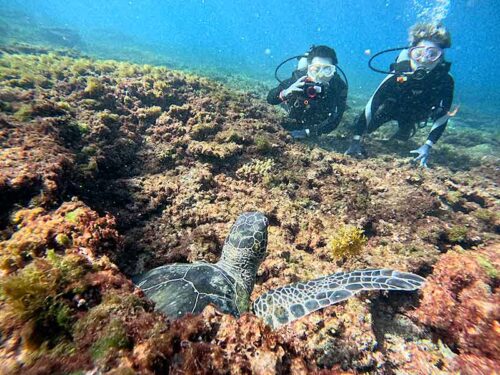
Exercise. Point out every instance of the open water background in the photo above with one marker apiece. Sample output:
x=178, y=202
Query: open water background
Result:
x=252, y=37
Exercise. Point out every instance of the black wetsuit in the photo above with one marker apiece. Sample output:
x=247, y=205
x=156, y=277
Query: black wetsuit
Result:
x=410, y=102
x=321, y=114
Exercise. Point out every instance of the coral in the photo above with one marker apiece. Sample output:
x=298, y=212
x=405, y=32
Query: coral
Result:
x=213, y=150
x=256, y=170
x=348, y=241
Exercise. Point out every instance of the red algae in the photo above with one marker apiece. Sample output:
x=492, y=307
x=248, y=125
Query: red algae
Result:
x=461, y=303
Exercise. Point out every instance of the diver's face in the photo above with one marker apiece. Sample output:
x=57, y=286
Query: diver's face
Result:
x=321, y=69
x=426, y=54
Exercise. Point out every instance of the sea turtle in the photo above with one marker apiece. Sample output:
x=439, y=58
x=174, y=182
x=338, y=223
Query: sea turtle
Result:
x=178, y=289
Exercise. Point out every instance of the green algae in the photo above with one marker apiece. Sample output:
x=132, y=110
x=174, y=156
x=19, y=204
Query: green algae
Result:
x=457, y=234
x=204, y=130
x=454, y=197
x=94, y=88
x=485, y=215
x=149, y=113
x=24, y=113
x=103, y=325
x=34, y=296
x=108, y=118
x=262, y=144
x=73, y=216
x=82, y=127
x=488, y=267
x=63, y=240
x=114, y=336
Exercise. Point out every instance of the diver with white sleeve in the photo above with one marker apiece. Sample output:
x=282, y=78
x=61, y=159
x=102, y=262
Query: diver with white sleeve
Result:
x=417, y=88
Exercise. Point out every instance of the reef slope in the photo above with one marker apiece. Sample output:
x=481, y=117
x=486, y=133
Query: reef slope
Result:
x=109, y=168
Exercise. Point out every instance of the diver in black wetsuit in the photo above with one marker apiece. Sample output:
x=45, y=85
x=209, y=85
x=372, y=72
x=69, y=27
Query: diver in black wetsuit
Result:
x=419, y=87
x=315, y=96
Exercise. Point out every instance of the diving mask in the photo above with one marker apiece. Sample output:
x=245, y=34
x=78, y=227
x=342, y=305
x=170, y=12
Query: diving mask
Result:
x=321, y=72
x=425, y=54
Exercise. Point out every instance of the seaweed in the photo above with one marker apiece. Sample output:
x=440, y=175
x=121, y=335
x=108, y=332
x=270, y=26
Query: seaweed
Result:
x=37, y=296
x=347, y=242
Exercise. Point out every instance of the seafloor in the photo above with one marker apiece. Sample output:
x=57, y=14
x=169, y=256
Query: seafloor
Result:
x=109, y=168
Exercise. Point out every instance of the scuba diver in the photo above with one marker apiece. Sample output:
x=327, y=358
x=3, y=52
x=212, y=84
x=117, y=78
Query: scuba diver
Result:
x=315, y=96
x=417, y=87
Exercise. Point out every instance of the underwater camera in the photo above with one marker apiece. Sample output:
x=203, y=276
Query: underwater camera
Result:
x=313, y=90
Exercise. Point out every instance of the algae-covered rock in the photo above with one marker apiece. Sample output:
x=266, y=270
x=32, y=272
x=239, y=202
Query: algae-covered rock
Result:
x=170, y=158
x=460, y=302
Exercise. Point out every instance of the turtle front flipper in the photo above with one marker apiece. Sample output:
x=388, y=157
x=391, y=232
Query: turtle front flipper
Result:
x=283, y=305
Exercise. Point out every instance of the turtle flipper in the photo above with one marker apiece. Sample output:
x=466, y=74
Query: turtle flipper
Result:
x=283, y=305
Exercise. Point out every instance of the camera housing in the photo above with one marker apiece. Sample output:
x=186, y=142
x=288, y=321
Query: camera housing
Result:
x=313, y=90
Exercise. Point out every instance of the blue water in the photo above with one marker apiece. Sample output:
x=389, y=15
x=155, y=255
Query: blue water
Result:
x=252, y=37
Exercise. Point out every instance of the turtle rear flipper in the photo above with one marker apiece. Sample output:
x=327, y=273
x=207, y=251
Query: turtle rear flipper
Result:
x=283, y=305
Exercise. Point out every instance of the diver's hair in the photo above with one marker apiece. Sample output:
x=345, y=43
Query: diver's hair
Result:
x=436, y=33
x=322, y=51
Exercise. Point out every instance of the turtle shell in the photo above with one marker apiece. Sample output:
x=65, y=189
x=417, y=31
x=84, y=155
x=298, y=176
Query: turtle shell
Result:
x=178, y=289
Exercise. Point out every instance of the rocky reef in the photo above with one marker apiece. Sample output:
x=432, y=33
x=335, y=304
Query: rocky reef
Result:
x=108, y=169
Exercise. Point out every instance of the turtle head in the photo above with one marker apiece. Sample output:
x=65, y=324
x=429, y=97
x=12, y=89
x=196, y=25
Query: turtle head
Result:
x=245, y=246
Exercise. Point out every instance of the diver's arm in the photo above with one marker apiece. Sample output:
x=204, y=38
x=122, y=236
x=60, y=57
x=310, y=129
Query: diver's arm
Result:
x=286, y=88
x=273, y=97
x=442, y=115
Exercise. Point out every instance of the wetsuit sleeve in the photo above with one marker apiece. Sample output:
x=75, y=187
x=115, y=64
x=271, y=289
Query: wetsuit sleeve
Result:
x=441, y=116
x=371, y=118
x=273, y=97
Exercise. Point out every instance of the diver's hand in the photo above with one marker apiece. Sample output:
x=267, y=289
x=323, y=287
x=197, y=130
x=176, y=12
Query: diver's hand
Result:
x=423, y=154
x=356, y=149
x=297, y=86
